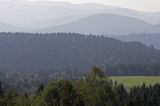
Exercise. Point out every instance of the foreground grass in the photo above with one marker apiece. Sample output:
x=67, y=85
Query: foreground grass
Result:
x=130, y=81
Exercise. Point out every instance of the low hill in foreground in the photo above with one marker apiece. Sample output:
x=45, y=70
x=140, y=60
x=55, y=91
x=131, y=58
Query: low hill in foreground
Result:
x=28, y=51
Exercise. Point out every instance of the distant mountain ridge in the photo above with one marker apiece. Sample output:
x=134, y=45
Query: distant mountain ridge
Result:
x=107, y=24
x=154, y=29
x=11, y=28
x=103, y=24
x=36, y=11
x=6, y=27
x=45, y=15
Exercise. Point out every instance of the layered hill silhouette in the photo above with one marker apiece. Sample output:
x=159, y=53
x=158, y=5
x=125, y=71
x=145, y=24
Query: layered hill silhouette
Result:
x=6, y=27
x=99, y=24
x=33, y=11
x=40, y=14
x=45, y=16
x=103, y=24
x=154, y=29
x=11, y=28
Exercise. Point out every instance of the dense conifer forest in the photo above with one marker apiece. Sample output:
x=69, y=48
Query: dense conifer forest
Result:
x=95, y=89
x=51, y=69
x=61, y=51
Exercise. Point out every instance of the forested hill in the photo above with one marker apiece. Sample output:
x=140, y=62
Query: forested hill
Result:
x=150, y=39
x=28, y=51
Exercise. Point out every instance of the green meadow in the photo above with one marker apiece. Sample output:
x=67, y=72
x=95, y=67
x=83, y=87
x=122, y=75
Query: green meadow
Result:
x=130, y=81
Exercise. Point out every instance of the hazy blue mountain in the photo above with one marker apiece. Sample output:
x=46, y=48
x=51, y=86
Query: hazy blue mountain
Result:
x=150, y=17
x=55, y=22
x=154, y=29
x=150, y=39
x=11, y=28
x=85, y=10
x=102, y=24
x=33, y=13
x=42, y=10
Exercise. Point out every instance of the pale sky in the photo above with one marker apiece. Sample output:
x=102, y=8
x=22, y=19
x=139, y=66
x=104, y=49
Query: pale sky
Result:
x=145, y=5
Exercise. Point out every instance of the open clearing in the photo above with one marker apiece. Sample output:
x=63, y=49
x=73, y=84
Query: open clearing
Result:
x=130, y=81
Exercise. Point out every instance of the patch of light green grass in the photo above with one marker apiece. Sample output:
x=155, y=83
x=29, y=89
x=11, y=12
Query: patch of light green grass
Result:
x=130, y=81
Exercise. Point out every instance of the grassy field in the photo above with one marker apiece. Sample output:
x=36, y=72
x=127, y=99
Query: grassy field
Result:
x=130, y=81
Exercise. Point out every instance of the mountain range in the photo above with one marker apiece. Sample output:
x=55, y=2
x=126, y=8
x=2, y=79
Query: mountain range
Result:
x=11, y=28
x=45, y=16
x=103, y=24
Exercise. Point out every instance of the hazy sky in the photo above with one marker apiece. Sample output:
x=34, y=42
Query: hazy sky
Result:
x=146, y=5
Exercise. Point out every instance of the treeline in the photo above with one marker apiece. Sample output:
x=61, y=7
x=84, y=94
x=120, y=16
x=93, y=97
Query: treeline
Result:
x=95, y=89
x=27, y=81
x=133, y=70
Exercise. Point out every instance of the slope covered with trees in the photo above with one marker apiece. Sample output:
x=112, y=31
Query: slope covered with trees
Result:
x=94, y=90
x=150, y=39
x=59, y=51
